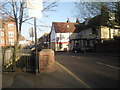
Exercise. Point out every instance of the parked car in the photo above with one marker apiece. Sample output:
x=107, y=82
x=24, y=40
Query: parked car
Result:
x=87, y=49
x=77, y=49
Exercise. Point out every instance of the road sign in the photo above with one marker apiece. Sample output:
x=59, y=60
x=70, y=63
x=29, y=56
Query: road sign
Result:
x=35, y=4
x=35, y=8
x=31, y=33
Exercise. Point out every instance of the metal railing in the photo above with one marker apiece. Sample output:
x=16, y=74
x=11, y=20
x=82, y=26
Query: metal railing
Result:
x=20, y=60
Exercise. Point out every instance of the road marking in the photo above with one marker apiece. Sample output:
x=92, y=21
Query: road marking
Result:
x=73, y=75
x=107, y=65
x=78, y=57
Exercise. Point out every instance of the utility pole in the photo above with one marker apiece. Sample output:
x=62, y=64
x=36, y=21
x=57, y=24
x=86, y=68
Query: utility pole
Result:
x=35, y=8
x=36, y=52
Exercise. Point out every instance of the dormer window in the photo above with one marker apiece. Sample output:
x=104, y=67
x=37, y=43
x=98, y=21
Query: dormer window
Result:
x=111, y=16
x=67, y=26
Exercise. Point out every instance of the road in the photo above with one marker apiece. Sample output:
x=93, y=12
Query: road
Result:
x=95, y=70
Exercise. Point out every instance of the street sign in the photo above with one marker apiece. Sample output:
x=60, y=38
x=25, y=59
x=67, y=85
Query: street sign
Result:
x=35, y=8
x=35, y=4
x=31, y=33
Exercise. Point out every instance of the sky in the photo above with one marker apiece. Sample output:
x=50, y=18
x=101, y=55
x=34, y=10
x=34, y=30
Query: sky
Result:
x=63, y=11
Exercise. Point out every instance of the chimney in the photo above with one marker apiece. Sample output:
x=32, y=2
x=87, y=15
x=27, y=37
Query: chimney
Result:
x=77, y=21
x=104, y=15
x=68, y=20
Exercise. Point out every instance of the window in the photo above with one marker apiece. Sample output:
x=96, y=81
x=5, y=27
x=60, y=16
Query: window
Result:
x=10, y=34
x=11, y=25
x=111, y=16
x=67, y=26
x=11, y=41
x=1, y=28
x=1, y=33
x=1, y=41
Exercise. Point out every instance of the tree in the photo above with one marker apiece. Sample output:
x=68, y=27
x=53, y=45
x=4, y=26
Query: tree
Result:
x=91, y=9
x=17, y=10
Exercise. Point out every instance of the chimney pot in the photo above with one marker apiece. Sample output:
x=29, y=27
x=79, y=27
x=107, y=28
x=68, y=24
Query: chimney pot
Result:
x=77, y=20
x=68, y=20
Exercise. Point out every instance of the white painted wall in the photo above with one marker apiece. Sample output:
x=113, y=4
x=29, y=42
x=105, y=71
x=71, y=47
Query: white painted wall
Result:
x=63, y=38
x=53, y=35
x=108, y=33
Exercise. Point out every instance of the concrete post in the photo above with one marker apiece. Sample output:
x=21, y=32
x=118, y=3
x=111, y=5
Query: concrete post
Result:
x=46, y=60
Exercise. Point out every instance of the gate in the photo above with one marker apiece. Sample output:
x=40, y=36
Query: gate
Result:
x=20, y=60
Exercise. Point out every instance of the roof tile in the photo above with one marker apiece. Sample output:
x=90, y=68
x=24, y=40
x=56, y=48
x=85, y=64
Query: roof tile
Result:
x=61, y=27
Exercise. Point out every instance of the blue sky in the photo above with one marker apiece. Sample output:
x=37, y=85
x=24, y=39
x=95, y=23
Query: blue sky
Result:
x=63, y=11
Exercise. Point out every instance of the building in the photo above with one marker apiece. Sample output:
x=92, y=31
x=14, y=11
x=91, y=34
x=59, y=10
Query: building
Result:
x=44, y=41
x=94, y=31
x=8, y=34
x=23, y=42
x=61, y=33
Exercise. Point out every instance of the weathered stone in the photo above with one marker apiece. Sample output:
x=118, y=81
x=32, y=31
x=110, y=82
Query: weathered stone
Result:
x=46, y=60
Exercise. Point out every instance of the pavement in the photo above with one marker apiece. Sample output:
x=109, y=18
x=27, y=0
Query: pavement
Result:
x=59, y=78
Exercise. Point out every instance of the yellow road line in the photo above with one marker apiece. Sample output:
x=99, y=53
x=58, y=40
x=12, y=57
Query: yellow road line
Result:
x=73, y=75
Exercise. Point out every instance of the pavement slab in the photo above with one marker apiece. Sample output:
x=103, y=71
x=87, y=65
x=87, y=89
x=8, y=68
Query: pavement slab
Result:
x=59, y=78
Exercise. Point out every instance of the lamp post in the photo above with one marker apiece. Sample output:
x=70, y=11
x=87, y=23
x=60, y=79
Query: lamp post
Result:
x=36, y=52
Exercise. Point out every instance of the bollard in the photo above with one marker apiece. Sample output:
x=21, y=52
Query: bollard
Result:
x=46, y=60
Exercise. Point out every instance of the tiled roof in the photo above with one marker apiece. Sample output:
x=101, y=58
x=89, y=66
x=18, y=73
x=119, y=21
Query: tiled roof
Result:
x=64, y=27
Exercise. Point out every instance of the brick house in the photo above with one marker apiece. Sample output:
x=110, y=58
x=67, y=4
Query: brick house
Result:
x=8, y=34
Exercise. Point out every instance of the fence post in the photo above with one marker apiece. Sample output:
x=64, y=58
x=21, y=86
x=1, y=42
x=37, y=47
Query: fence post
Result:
x=3, y=57
x=14, y=59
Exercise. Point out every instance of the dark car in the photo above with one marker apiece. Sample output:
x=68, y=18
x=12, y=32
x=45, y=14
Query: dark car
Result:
x=87, y=49
x=76, y=49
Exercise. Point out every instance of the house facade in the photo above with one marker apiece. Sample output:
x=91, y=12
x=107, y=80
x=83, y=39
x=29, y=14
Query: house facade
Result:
x=8, y=34
x=93, y=31
x=61, y=33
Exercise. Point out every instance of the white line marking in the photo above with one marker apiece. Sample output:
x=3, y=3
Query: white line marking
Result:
x=78, y=57
x=73, y=75
x=107, y=65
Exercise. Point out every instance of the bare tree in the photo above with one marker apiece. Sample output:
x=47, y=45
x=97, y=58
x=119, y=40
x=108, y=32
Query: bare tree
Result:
x=17, y=10
x=91, y=9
